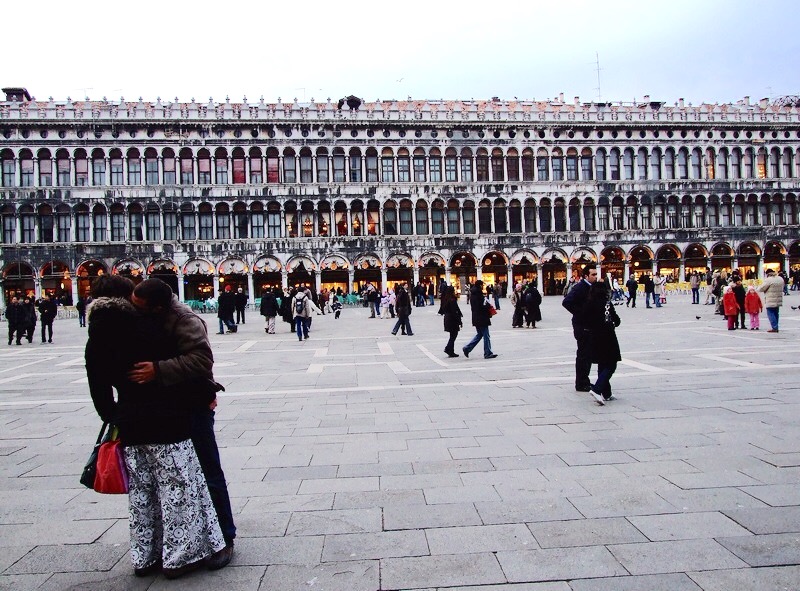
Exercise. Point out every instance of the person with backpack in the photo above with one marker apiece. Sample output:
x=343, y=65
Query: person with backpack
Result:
x=301, y=307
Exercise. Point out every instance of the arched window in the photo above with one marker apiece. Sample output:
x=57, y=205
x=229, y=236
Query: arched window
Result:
x=683, y=163
x=627, y=164
x=290, y=218
x=152, y=222
x=672, y=212
x=466, y=165
x=572, y=164
x=560, y=215
x=468, y=212
x=641, y=164
x=588, y=215
x=527, y=165
x=645, y=222
x=356, y=175
x=150, y=167
x=324, y=218
x=710, y=164
x=390, y=218
x=485, y=217
x=600, y=164
x=240, y=220
x=373, y=217
x=451, y=165
x=339, y=164
x=686, y=212
x=387, y=165
x=613, y=164
x=290, y=166
x=419, y=166
x=136, y=222
x=574, y=215
x=168, y=161
x=26, y=168
x=497, y=165
x=437, y=217
x=203, y=167
x=749, y=163
x=223, y=216
x=786, y=161
x=206, y=216
x=655, y=164
x=403, y=166
x=323, y=172
x=406, y=224
x=545, y=216
x=699, y=212
x=616, y=214
x=46, y=223
x=306, y=166
x=372, y=165
x=256, y=166
x=453, y=217
x=515, y=217
x=775, y=163
x=221, y=164
x=697, y=170
x=306, y=216
x=188, y=222
x=558, y=165
x=340, y=218
x=669, y=164
x=63, y=168
x=603, y=213
x=421, y=217
x=273, y=170
x=530, y=215
x=63, y=222
x=512, y=164
x=187, y=171
x=274, y=220
x=587, y=164
x=7, y=168
x=500, y=221
x=722, y=164
x=482, y=165
x=357, y=217
x=257, y=219
x=45, y=168
x=99, y=223
x=736, y=163
x=170, y=217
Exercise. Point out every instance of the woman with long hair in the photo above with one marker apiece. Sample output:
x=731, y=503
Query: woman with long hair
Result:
x=448, y=308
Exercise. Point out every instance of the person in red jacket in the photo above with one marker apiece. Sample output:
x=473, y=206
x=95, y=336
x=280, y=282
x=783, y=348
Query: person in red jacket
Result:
x=730, y=307
x=753, y=307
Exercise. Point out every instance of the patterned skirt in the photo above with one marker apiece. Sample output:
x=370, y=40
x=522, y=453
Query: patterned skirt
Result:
x=172, y=517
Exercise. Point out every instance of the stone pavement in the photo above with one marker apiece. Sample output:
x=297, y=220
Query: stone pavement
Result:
x=358, y=460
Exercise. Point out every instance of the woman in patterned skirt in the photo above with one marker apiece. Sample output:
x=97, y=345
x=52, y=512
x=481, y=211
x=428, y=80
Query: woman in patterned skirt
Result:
x=173, y=525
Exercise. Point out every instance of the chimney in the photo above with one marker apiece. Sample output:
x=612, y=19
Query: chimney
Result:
x=647, y=98
x=680, y=103
x=17, y=95
x=560, y=97
x=747, y=101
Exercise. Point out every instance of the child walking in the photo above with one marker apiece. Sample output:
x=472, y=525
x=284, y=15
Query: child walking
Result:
x=753, y=307
x=730, y=307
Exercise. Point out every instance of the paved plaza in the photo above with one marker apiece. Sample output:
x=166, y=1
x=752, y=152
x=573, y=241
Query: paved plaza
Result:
x=360, y=461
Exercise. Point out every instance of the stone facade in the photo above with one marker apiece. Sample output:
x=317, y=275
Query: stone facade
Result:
x=331, y=194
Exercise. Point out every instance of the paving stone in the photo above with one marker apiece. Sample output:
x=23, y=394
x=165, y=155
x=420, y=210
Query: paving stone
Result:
x=335, y=485
x=433, y=571
x=776, y=495
x=585, y=532
x=345, y=576
x=709, y=499
x=668, y=582
x=460, y=494
x=551, y=586
x=420, y=481
x=711, y=479
x=425, y=516
x=303, y=550
x=673, y=557
x=765, y=550
x=536, y=509
x=380, y=498
x=300, y=473
x=768, y=520
x=382, y=469
x=366, y=546
x=685, y=526
x=344, y=521
x=484, y=538
x=559, y=564
x=596, y=458
x=617, y=505
x=23, y=582
x=67, y=558
x=783, y=578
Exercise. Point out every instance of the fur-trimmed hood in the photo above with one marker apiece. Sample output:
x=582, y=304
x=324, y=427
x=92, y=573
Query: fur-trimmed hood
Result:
x=111, y=304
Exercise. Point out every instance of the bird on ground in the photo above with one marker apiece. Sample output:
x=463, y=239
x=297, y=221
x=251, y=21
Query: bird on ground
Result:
x=697, y=317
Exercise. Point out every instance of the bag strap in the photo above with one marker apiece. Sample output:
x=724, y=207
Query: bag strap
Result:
x=100, y=435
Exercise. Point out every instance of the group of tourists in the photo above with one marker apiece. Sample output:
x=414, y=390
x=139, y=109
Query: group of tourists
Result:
x=21, y=317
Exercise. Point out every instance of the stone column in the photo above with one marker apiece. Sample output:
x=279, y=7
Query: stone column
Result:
x=75, y=290
x=350, y=278
x=181, y=288
x=383, y=279
x=284, y=279
x=250, y=289
x=216, y=285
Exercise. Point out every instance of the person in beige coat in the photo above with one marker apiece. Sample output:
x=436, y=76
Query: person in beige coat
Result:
x=772, y=288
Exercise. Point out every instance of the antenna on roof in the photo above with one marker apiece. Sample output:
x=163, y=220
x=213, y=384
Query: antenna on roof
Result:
x=597, y=65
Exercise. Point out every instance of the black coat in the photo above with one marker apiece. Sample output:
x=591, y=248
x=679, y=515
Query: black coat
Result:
x=533, y=301
x=47, y=310
x=145, y=413
x=452, y=316
x=604, y=344
x=240, y=299
x=14, y=314
x=226, y=305
x=479, y=305
x=269, y=305
x=28, y=318
x=402, y=305
x=575, y=301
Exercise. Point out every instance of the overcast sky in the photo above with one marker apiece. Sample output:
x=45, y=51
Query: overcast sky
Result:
x=699, y=50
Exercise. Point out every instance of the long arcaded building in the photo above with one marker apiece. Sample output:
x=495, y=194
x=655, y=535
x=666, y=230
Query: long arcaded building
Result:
x=337, y=193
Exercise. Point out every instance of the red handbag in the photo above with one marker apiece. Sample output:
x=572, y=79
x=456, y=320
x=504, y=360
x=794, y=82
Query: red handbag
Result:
x=112, y=475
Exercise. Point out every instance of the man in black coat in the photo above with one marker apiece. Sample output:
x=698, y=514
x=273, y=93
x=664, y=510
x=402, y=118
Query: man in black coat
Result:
x=14, y=314
x=649, y=290
x=574, y=302
x=633, y=287
x=240, y=300
x=269, y=310
x=47, y=313
x=479, y=305
x=226, y=304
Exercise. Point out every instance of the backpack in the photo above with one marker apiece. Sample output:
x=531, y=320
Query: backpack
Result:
x=300, y=305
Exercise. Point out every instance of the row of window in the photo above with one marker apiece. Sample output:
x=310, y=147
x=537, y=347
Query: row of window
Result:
x=419, y=166
x=134, y=223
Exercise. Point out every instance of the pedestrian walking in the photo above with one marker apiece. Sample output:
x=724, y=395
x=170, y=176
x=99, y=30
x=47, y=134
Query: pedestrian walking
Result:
x=226, y=305
x=481, y=320
x=772, y=288
x=633, y=288
x=240, y=301
x=48, y=310
x=601, y=319
x=269, y=310
x=403, y=312
x=449, y=309
x=575, y=302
